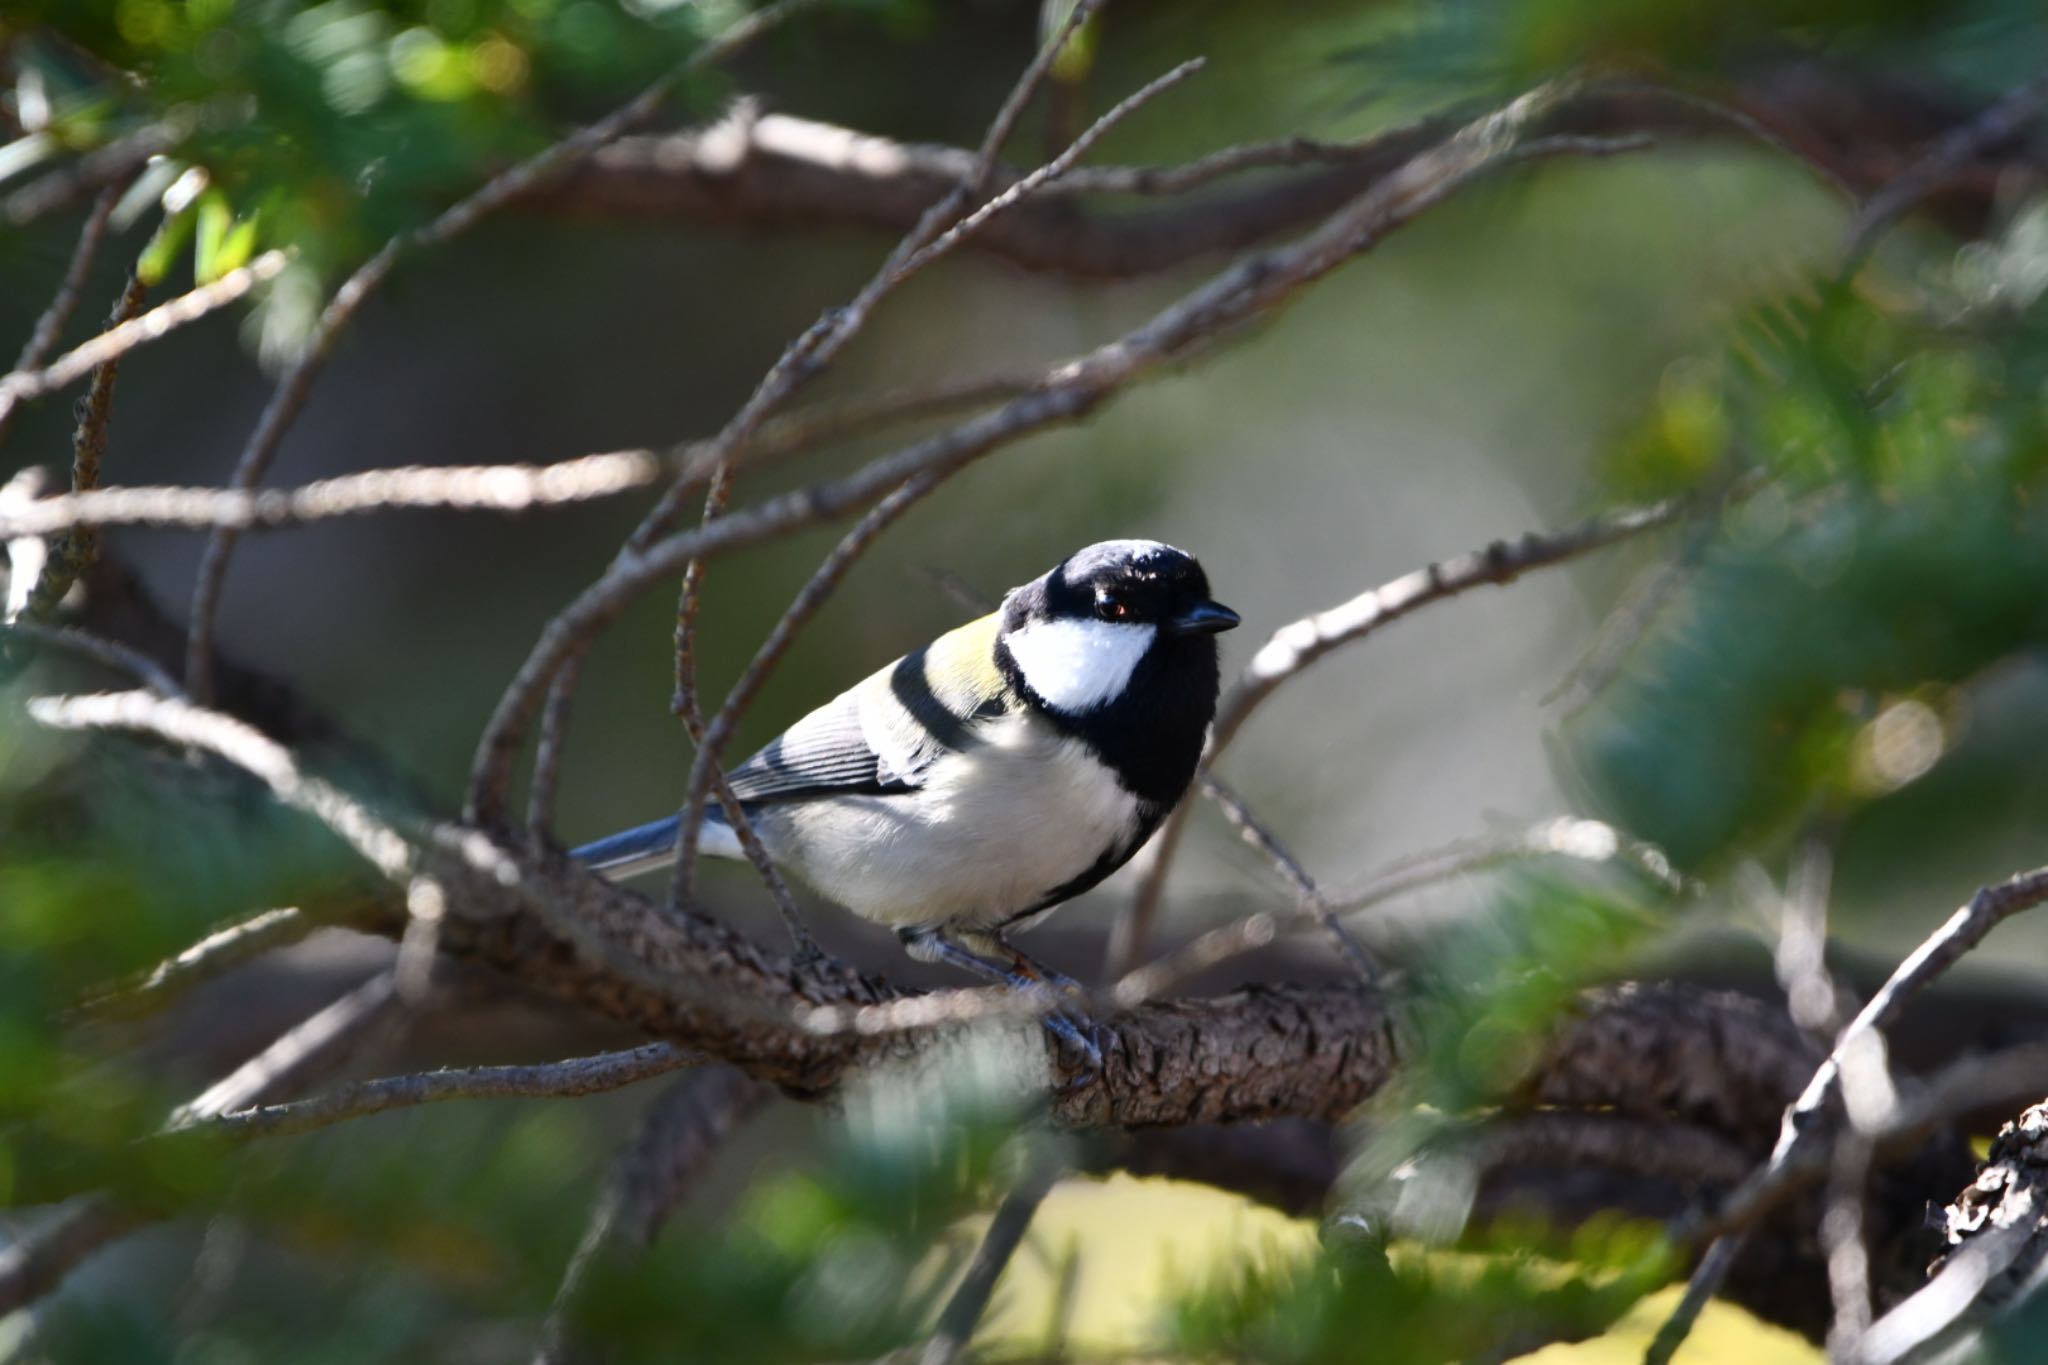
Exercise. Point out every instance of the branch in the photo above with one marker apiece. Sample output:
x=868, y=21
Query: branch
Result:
x=462, y=488
x=75, y=364
x=1997, y=1234
x=552, y=1080
x=112, y=653
x=1294, y=647
x=43, y=337
x=1856, y=132
x=1804, y=1121
x=220, y=951
x=39, y=1263
x=180, y=722
x=1947, y=159
x=1248, y=289
x=1005, y=1232
x=297, y=385
x=683, y=1130
x=67, y=558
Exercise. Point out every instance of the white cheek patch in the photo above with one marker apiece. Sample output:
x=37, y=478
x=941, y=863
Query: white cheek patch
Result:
x=1076, y=666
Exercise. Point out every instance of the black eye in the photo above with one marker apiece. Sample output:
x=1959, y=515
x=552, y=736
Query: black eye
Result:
x=1111, y=608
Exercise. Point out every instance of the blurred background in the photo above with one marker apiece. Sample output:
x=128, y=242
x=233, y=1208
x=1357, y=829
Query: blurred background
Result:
x=1572, y=336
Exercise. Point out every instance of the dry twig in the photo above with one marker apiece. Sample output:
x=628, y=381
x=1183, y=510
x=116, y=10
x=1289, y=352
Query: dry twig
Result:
x=1245, y=290
x=569, y=1079
x=43, y=337
x=1296, y=646
x=297, y=385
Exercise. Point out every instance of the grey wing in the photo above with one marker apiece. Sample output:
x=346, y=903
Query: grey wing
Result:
x=827, y=753
x=880, y=737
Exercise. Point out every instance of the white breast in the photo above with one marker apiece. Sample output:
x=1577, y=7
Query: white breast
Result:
x=1076, y=665
x=991, y=832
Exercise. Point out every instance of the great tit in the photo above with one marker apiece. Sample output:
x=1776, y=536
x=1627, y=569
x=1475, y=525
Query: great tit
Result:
x=965, y=790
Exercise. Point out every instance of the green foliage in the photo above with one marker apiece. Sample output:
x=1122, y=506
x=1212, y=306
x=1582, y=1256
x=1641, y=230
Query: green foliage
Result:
x=1486, y=48
x=332, y=127
x=850, y=1258
x=1894, y=554
x=1325, y=1307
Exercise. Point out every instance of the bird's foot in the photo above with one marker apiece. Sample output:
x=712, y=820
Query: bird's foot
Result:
x=1080, y=1035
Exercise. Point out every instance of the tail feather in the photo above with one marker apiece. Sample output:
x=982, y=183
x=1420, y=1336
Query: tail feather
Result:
x=647, y=847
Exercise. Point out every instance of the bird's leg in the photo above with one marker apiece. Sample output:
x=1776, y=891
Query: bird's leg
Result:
x=929, y=943
x=1033, y=968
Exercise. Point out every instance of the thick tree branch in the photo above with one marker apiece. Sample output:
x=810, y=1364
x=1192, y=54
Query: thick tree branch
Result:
x=782, y=172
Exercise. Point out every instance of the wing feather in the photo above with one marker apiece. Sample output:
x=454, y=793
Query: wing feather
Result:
x=881, y=736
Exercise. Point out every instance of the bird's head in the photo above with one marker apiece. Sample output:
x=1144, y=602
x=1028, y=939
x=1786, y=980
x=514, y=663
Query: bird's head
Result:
x=1079, y=635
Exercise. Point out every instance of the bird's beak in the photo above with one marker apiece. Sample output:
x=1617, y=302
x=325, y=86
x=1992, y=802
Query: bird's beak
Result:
x=1203, y=618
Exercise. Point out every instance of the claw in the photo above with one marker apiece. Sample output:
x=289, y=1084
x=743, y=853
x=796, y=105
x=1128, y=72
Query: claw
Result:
x=1084, y=1036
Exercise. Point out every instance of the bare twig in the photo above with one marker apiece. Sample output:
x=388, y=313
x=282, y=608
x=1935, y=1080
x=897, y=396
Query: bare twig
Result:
x=1295, y=647
x=1844, y=1241
x=103, y=166
x=1625, y=626
x=683, y=1130
x=180, y=722
x=1245, y=290
x=159, y=322
x=548, y=1080
x=297, y=384
x=43, y=338
x=2002, y=120
x=278, y=414
x=1811, y=995
x=1945, y=1299
x=929, y=240
x=311, y=1043
x=1805, y=1118
x=112, y=653
x=812, y=596
x=68, y=556
x=1584, y=840
x=1005, y=1231
x=1052, y=171
x=1310, y=896
x=39, y=1263
x=220, y=951
x=489, y=488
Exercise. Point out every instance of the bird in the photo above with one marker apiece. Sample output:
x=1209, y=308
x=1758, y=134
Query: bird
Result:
x=964, y=791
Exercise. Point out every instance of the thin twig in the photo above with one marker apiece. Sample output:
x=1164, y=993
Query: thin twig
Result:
x=1296, y=646
x=1805, y=1117
x=247, y=748
x=218, y=952
x=817, y=348
x=683, y=1130
x=297, y=384
x=42, y=338
x=71, y=553
x=1845, y=1245
x=1571, y=837
x=465, y=488
x=568, y=1079
x=112, y=653
x=800, y=610
x=1945, y=1299
x=1309, y=895
x=2001, y=120
x=1005, y=1231
x=75, y=364
x=1623, y=628
x=1053, y=170
x=1247, y=289
x=292, y=1054
x=103, y=166
x=37, y=1264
